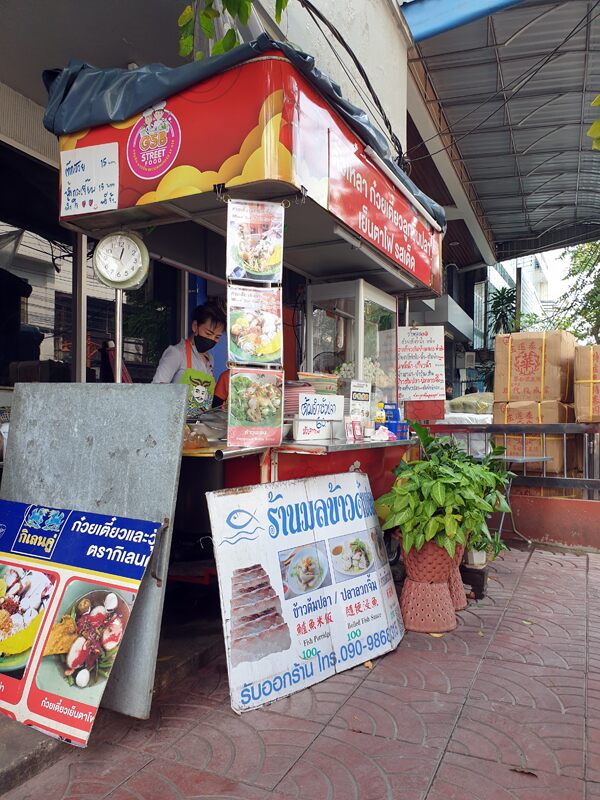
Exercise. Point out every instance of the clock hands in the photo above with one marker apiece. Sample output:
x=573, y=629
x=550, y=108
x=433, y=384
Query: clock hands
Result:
x=122, y=251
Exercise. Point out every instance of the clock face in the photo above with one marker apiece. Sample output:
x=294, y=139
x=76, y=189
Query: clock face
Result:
x=121, y=260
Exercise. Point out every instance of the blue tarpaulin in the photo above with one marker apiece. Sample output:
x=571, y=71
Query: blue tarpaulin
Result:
x=427, y=18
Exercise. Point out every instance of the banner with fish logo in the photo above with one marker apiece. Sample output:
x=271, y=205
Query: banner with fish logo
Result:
x=306, y=587
x=68, y=582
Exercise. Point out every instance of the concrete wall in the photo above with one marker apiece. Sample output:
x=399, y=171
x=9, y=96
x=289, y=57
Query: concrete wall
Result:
x=376, y=32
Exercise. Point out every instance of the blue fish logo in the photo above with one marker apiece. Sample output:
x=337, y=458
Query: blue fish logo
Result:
x=240, y=518
x=245, y=527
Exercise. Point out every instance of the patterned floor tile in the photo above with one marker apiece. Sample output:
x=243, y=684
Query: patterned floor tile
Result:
x=464, y=778
x=341, y=765
x=164, y=780
x=477, y=618
x=256, y=747
x=454, y=643
x=546, y=602
x=544, y=741
x=320, y=702
x=562, y=627
x=408, y=715
x=592, y=790
x=593, y=728
x=530, y=686
x=433, y=672
x=524, y=649
x=85, y=775
x=171, y=717
x=209, y=681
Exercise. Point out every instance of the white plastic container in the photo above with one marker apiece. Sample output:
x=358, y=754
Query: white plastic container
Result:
x=476, y=558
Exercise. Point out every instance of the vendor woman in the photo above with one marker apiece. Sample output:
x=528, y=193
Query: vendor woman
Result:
x=190, y=361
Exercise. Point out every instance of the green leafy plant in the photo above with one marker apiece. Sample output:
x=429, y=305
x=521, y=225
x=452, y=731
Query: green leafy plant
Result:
x=503, y=310
x=446, y=497
x=198, y=23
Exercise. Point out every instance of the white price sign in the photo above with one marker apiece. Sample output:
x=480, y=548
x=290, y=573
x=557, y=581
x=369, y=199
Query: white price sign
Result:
x=89, y=179
x=321, y=406
x=421, y=364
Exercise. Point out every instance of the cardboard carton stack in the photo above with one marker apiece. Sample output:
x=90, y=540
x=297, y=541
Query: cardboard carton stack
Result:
x=533, y=385
x=587, y=383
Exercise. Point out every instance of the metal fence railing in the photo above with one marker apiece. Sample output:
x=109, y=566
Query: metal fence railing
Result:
x=569, y=453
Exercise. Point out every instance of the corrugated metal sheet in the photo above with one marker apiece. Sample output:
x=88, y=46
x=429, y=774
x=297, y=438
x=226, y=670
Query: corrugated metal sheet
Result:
x=517, y=97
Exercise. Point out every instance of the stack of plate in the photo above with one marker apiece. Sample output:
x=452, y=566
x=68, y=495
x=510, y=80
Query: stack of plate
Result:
x=291, y=396
x=322, y=382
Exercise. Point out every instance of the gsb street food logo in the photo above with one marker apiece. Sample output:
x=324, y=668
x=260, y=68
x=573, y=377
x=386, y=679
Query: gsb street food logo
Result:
x=154, y=142
x=40, y=531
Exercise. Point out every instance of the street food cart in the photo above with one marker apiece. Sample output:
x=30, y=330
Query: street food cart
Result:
x=358, y=236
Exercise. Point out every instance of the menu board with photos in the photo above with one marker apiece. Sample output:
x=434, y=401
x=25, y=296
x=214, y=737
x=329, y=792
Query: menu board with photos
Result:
x=306, y=587
x=68, y=583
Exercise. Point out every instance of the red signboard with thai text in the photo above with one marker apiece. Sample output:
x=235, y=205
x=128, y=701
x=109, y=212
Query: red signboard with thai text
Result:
x=259, y=121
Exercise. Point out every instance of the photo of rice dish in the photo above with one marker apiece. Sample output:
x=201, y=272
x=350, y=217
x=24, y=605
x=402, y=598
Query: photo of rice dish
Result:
x=257, y=628
x=24, y=597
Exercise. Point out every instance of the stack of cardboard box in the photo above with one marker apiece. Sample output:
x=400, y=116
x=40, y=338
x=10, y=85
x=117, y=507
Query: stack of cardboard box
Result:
x=587, y=383
x=533, y=385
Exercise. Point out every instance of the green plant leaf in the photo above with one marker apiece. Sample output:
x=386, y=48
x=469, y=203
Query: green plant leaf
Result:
x=429, y=507
x=186, y=16
x=245, y=11
x=198, y=55
x=450, y=526
x=419, y=541
x=596, y=144
x=208, y=26
x=186, y=45
x=232, y=7
x=408, y=541
x=503, y=505
x=280, y=6
x=450, y=547
x=596, y=101
x=431, y=528
x=438, y=493
x=405, y=515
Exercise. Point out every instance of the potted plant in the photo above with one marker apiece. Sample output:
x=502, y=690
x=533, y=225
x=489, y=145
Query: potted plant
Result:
x=483, y=547
x=438, y=503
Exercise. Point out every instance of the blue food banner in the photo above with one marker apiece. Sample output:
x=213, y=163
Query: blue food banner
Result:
x=68, y=582
x=306, y=587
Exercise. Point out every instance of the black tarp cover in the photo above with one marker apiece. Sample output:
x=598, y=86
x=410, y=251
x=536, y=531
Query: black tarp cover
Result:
x=82, y=96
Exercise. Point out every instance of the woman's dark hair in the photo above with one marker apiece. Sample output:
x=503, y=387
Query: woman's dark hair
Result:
x=210, y=312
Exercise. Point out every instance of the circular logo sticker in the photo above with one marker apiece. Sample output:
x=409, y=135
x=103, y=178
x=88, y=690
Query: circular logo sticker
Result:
x=153, y=143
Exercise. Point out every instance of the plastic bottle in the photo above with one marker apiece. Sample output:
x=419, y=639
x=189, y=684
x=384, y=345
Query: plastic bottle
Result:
x=379, y=416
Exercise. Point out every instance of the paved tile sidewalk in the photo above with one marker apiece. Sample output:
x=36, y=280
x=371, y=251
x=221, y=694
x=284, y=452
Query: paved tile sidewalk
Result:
x=507, y=707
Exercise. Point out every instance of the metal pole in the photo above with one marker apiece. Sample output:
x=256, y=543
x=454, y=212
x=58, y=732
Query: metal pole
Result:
x=518, y=288
x=79, y=309
x=118, y=335
x=407, y=310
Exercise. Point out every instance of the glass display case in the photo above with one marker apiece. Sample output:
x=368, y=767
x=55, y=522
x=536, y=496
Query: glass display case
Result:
x=351, y=331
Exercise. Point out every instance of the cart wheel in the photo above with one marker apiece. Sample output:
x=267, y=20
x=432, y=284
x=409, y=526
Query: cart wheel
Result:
x=392, y=546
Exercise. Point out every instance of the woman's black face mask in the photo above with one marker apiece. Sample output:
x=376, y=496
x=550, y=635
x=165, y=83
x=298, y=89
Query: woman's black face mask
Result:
x=203, y=343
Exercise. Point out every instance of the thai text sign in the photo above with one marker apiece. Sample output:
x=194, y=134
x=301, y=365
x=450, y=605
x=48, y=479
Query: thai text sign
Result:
x=421, y=371
x=89, y=179
x=68, y=581
x=321, y=406
x=306, y=588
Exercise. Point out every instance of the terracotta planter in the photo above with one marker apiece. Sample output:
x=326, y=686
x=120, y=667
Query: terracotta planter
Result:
x=425, y=601
x=455, y=584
